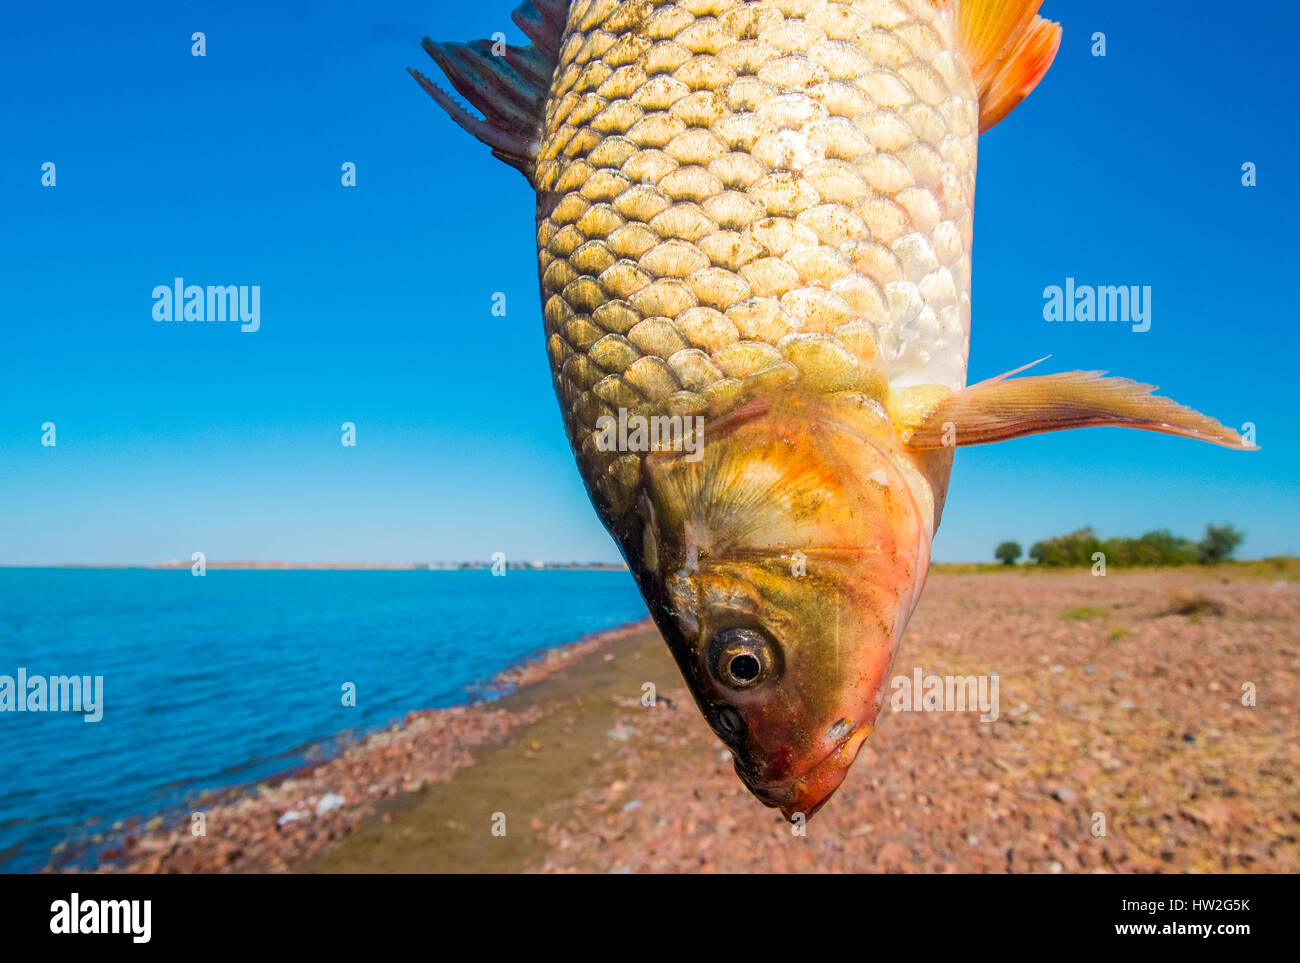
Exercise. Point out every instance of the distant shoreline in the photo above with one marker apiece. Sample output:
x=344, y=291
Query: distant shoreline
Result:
x=179, y=564
x=1287, y=564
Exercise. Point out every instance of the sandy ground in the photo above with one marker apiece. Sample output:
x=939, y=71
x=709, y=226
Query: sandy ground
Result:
x=1122, y=745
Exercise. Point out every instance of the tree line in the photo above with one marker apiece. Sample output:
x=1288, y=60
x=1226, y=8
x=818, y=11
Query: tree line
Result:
x=1157, y=548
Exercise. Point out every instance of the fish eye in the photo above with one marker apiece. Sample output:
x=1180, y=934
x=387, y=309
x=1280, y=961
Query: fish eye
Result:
x=742, y=658
x=744, y=667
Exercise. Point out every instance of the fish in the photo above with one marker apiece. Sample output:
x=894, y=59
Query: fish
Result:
x=754, y=235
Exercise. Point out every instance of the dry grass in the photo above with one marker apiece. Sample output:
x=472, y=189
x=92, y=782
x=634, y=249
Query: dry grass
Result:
x=1194, y=604
x=1282, y=567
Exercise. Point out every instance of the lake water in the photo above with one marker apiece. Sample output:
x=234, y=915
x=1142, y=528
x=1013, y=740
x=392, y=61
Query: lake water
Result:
x=229, y=678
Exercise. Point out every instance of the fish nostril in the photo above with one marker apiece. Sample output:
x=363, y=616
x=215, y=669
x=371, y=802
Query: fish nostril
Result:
x=731, y=721
x=840, y=730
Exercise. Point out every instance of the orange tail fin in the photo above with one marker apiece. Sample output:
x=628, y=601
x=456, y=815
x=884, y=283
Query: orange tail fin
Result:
x=1009, y=48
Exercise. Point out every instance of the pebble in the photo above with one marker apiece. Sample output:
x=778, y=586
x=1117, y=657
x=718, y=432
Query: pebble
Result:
x=328, y=803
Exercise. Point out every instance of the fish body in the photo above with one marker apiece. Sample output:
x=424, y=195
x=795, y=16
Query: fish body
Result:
x=730, y=193
x=754, y=232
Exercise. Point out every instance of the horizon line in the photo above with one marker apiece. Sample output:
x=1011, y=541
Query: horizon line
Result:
x=445, y=565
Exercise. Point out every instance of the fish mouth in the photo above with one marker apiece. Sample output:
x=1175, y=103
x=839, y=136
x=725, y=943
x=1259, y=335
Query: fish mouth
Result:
x=808, y=791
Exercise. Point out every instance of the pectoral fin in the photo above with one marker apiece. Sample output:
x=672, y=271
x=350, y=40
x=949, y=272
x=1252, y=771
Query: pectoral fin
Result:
x=1004, y=408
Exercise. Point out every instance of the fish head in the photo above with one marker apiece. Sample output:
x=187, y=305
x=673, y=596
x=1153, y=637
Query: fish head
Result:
x=781, y=568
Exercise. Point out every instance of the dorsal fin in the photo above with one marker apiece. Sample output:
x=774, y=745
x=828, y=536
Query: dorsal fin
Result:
x=507, y=84
x=1009, y=48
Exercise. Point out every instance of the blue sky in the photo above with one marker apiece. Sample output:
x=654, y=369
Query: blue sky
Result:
x=376, y=300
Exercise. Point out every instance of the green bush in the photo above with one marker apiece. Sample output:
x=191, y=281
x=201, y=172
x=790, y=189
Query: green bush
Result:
x=1077, y=548
x=1219, y=543
x=1152, y=550
x=1008, y=552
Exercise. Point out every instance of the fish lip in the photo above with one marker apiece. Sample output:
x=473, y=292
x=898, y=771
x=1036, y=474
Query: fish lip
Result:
x=810, y=790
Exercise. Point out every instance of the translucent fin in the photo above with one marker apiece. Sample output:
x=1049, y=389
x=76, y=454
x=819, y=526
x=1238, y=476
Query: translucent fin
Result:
x=1009, y=48
x=508, y=85
x=1003, y=408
